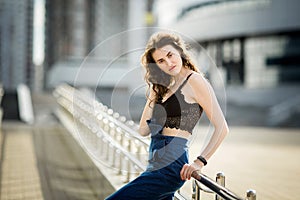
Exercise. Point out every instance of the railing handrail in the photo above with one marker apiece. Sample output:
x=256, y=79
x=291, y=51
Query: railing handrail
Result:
x=223, y=192
x=135, y=161
x=131, y=132
x=124, y=152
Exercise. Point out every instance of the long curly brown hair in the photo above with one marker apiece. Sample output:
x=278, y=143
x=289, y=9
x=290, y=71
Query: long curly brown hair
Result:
x=154, y=76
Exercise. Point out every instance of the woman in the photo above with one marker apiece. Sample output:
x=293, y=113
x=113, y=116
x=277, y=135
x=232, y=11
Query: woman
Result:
x=178, y=94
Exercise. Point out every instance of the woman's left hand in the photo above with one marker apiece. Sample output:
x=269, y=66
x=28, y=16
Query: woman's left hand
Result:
x=188, y=169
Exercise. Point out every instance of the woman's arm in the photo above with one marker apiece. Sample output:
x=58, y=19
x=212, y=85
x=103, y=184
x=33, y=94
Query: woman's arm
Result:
x=205, y=96
x=147, y=114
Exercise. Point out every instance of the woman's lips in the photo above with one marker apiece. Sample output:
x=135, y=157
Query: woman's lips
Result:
x=172, y=68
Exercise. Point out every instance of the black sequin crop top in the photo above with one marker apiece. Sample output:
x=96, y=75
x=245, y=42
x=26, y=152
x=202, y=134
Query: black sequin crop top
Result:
x=175, y=112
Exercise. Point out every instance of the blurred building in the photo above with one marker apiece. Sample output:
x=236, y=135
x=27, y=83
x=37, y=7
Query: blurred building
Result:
x=87, y=42
x=16, y=42
x=69, y=29
x=254, y=43
x=93, y=43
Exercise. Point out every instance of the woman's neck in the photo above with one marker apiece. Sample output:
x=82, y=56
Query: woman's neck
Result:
x=179, y=78
x=181, y=75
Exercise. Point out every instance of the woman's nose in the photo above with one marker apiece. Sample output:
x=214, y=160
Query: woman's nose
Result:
x=169, y=62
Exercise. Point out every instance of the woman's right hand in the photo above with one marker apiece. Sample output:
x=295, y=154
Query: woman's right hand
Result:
x=188, y=169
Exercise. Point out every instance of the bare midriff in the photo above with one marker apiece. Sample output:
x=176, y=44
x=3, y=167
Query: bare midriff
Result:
x=176, y=132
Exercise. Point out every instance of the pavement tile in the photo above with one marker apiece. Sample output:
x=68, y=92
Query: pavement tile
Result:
x=19, y=173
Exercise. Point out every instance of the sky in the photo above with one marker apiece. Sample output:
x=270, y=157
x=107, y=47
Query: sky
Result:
x=38, y=32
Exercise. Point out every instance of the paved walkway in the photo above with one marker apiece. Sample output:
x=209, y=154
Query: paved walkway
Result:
x=47, y=163
x=19, y=174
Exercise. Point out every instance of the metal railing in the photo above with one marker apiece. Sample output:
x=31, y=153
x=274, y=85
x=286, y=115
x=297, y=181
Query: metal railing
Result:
x=109, y=137
x=217, y=188
x=105, y=133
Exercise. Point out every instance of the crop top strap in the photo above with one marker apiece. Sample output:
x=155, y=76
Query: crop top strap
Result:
x=187, y=78
x=185, y=81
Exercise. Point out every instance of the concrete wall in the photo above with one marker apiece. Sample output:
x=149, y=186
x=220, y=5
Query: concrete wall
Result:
x=236, y=18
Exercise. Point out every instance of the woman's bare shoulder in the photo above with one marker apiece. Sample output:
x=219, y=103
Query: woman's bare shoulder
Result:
x=197, y=79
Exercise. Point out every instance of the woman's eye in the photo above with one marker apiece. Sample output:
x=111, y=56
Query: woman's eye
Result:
x=170, y=55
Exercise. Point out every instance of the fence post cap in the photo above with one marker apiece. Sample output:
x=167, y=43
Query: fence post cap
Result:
x=251, y=193
x=220, y=174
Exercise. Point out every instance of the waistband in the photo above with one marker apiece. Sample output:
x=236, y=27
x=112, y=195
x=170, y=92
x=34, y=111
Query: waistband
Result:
x=156, y=134
x=170, y=139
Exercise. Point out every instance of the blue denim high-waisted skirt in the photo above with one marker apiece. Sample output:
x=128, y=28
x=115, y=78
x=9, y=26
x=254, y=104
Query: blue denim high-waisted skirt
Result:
x=167, y=155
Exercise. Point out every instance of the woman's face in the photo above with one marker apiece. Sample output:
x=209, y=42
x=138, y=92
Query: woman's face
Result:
x=168, y=59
